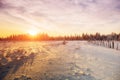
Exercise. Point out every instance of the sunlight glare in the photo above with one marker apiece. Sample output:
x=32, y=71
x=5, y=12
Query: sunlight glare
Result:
x=32, y=32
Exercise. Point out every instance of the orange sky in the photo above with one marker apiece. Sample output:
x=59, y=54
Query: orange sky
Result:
x=65, y=18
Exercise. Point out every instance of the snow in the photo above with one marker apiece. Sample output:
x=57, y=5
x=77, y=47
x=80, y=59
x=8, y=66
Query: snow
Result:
x=52, y=60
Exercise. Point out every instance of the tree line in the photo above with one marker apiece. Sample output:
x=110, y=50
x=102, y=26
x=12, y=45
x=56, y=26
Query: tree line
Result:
x=44, y=36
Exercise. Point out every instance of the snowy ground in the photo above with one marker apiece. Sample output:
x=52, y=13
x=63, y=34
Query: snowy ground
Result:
x=77, y=60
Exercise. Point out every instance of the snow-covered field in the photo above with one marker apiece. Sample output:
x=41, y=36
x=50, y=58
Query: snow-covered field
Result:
x=77, y=60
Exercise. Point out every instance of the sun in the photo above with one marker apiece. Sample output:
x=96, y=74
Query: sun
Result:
x=32, y=32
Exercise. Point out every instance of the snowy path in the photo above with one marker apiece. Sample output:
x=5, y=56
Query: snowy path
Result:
x=74, y=61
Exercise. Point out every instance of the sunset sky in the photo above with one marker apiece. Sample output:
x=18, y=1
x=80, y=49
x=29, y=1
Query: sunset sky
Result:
x=59, y=17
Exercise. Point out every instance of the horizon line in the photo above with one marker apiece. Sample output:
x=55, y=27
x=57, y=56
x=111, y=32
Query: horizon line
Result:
x=59, y=35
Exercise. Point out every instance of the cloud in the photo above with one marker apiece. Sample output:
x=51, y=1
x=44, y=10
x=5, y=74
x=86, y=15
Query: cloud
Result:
x=88, y=13
x=62, y=8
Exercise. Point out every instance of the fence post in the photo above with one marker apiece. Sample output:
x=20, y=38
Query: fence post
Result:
x=110, y=44
x=117, y=47
x=113, y=44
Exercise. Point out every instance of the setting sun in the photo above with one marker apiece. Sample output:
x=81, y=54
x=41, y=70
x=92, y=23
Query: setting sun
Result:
x=32, y=32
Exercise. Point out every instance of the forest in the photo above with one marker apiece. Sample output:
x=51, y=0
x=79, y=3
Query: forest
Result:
x=46, y=37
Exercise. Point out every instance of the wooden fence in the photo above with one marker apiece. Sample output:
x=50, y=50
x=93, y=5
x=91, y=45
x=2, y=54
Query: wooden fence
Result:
x=108, y=44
